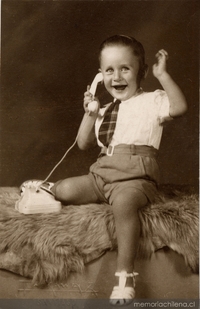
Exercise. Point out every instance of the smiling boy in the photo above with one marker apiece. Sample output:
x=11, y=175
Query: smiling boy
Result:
x=126, y=172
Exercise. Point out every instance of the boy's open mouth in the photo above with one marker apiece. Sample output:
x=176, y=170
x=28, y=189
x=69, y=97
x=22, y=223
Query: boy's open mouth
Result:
x=119, y=87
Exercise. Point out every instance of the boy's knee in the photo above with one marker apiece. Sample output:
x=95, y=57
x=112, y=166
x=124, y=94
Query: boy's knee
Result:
x=130, y=198
x=61, y=189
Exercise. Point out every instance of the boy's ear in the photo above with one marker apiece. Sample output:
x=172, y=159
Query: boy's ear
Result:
x=146, y=70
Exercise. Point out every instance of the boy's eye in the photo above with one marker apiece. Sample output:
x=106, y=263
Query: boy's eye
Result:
x=124, y=69
x=109, y=71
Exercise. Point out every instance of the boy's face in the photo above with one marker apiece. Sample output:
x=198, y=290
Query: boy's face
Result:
x=120, y=68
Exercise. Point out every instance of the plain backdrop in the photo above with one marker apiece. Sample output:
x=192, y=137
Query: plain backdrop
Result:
x=49, y=55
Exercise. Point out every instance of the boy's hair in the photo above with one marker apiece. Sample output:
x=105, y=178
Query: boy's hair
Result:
x=136, y=46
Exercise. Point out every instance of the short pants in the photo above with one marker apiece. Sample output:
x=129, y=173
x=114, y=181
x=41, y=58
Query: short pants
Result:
x=112, y=174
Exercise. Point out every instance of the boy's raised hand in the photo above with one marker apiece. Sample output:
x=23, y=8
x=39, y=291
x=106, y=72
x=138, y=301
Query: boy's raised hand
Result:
x=160, y=67
x=177, y=100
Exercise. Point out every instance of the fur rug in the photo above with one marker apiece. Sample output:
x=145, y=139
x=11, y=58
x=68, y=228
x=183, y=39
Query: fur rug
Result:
x=47, y=247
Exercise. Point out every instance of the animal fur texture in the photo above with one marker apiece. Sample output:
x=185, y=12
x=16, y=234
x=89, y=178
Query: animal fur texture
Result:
x=47, y=247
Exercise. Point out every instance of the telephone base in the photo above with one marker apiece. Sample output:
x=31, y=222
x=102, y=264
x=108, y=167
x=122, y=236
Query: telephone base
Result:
x=37, y=201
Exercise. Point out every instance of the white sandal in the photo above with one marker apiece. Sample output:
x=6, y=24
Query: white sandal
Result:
x=122, y=294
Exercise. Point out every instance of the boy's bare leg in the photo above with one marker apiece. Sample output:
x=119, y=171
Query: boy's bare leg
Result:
x=75, y=190
x=125, y=209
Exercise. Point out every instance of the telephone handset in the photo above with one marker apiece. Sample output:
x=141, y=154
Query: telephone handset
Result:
x=93, y=106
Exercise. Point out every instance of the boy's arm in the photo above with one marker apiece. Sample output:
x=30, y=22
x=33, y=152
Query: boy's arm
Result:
x=86, y=135
x=178, y=104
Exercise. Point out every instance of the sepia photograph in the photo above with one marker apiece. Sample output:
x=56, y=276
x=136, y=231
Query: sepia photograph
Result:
x=99, y=159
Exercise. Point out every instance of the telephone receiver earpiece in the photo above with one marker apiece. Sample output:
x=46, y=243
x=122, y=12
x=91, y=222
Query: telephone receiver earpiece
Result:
x=98, y=78
x=93, y=106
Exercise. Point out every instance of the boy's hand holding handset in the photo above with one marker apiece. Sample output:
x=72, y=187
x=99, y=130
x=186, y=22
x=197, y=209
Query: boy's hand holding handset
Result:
x=90, y=104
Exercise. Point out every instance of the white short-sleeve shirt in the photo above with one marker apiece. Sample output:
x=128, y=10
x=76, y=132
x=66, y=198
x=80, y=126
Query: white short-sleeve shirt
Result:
x=139, y=119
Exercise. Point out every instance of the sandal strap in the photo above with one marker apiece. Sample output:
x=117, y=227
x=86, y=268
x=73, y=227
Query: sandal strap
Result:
x=133, y=274
x=122, y=278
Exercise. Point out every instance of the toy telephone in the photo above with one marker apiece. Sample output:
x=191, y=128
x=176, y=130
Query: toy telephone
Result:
x=34, y=197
